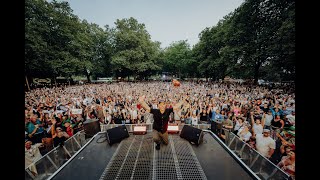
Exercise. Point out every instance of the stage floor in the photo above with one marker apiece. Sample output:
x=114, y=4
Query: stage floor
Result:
x=136, y=158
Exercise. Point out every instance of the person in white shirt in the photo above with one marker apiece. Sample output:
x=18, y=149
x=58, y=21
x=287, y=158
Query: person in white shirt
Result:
x=292, y=118
x=244, y=133
x=268, y=119
x=238, y=124
x=257, y=125
x=265, y=144
x=194, y=119
x=32, y=154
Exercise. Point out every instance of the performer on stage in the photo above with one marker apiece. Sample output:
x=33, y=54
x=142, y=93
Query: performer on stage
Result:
x=161, y=118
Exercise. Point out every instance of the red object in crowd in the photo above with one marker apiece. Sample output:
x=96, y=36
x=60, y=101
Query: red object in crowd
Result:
x=176, y=83
x=139, y=106
x=68, y=131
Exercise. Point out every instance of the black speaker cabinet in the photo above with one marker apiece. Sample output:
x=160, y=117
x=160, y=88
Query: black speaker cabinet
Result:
x=216, y=127
x=91, y=127
x=117, y=134
x=192, y=134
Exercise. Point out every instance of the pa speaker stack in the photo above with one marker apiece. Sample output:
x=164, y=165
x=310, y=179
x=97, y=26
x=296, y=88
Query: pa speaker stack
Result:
x=117, y=134
x=91, y=127
x=192, y=134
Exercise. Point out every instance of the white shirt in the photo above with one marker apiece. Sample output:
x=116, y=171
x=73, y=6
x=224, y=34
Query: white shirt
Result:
x=238, y=125
x=257, y=128
x=264, y=144
x=32, y=155
x=268, y=120
x=194, y=120
x=134, y=114
x=245, y=136
x=154, y=106
x=291, y=118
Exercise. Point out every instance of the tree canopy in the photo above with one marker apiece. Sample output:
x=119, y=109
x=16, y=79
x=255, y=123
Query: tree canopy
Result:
x=256, y=40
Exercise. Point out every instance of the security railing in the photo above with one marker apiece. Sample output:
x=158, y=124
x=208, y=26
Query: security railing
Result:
x=259, y=164
x=53, y=160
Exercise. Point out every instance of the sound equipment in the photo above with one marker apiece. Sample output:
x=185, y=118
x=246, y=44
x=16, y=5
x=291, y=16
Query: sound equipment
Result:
x=117, y=134
x=139, y=130
x=192, y=134
x=216, y=126
x=173, y=129
x=91, y=127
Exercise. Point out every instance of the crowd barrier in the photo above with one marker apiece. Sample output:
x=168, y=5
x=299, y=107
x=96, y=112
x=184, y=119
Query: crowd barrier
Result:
x=259, y=164
x=55, y=158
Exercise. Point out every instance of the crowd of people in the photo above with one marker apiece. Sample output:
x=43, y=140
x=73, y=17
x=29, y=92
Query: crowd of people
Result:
x=260, y=116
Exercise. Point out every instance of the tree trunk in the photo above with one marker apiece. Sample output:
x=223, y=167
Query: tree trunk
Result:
x=88, y=77
x=27, y=83
x=256, y=73
x=55, y=81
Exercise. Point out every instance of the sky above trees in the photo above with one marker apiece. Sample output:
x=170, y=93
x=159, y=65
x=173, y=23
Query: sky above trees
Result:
x=166, y=20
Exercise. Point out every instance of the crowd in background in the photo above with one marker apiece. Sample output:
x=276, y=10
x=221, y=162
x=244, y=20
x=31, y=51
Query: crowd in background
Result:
x=261, y=116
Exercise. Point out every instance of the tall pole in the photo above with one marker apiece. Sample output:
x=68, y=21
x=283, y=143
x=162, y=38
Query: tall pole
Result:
x=27, y=83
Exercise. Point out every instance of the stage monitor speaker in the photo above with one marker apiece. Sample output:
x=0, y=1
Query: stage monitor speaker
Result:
x=117, y=134
x=216, y=126
x=91, y=127
x=192, y=134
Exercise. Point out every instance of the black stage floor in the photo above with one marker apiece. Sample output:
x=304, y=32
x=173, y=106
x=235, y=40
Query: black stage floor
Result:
x=136, y=158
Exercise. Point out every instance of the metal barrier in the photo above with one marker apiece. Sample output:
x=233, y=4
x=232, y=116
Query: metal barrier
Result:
x=49, y=163
x=259, y=164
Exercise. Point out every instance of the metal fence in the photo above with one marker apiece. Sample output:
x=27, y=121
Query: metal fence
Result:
x=53, y=160
x=260, y=165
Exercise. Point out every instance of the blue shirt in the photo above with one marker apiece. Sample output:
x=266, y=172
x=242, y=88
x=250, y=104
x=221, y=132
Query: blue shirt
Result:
x=31, y=127
x=274, y=113
x=216, y=116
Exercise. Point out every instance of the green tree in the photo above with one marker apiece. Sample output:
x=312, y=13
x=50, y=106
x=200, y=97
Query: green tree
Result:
x=134, y=52
x=178, y=59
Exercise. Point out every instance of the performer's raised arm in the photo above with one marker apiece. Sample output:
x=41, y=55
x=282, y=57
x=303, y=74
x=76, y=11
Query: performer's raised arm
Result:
x=143, y=103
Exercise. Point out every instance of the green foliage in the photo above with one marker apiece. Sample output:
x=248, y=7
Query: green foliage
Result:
x=178, y=59
x=134, y=54
x=256, y=40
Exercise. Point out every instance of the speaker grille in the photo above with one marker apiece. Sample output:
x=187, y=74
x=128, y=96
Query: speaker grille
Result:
x=136, y=158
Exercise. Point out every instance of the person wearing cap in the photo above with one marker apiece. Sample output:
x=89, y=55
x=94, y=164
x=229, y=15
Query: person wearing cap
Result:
x=161, y=119
x=32, y=154
x=265, y=144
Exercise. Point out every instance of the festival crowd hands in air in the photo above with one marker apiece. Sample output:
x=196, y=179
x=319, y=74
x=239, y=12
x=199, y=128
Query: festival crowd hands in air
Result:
x=59, y=112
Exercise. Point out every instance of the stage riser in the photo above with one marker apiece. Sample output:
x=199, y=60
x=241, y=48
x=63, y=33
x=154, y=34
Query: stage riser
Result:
x=136, y=158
